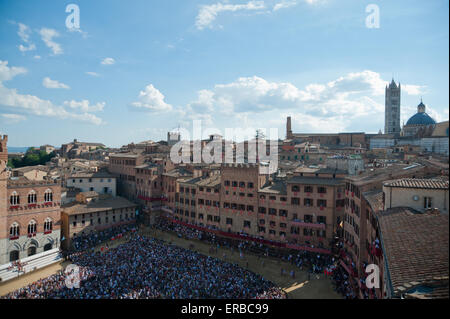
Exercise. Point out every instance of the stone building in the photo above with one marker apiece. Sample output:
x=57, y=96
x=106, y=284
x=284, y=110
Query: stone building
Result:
x=92, y=212
x=419, y=194
x=101, y=182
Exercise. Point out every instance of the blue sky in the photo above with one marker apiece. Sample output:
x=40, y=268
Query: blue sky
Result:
x=136, y=69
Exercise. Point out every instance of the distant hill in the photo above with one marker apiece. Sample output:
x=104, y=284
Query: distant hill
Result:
x=12, y=149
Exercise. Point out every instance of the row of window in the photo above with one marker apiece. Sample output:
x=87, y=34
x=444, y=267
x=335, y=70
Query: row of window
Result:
x=309, y=189
x=241, y=207
x=99, y=220
x=238, y=184
x=201, y=189
x=309, y=202
x=14, y=255
x=14, y=230
x=90, y=180
x=123, y=162
x=14, y=199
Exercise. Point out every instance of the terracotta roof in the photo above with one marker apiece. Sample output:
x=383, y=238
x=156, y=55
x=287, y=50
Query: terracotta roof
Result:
x=75, y=208
x=416, y=248
x=100, y=174
x=178, y=172
x=418, y=183
x=375, y=200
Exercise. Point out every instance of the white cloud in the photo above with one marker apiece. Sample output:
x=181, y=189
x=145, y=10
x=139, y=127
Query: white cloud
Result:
x=344, y=102
x=7, y=73
x=23, y=48
x=413, y=89
x=314, y=1
x=151, y=99
x=47, y=36
x=13, y=118
x=30, y=104
x=108, y=61
x=284, y=5
x=24, y=32
x=208, y=13
x=93, y=74
x=84, y=106
x=53, y=84
x=37, y=57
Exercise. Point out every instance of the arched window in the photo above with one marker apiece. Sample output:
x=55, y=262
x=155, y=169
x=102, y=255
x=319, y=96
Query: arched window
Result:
x=31, y=251
x=14, y=199
x=14, y=230
x=14, y=255
x=48, y=195
x=32, y=227
x=48, y=225
x=32, y=198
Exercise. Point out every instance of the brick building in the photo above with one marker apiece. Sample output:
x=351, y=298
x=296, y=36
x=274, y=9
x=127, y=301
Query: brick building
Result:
x=29, y=220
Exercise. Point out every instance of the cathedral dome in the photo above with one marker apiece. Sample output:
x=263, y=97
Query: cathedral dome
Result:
x=420, y=118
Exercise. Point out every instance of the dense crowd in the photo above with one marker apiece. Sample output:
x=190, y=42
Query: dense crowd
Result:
x=305, y=260
x=83, y=242
x=343, y=285
x=149, y=268
x=313, y=263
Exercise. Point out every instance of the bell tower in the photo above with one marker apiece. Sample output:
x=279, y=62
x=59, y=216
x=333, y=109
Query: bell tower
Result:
x=288, y=128
x=392, y=109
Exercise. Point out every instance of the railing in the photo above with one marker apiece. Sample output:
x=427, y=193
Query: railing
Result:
x=33, y=205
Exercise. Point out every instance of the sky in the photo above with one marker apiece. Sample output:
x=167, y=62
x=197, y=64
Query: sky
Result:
x=133, y=70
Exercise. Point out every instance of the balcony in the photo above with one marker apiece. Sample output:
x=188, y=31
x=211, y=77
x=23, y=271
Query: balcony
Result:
x=300, y=223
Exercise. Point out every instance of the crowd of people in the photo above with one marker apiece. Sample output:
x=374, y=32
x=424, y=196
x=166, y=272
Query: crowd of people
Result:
x=313, y=263
x=342, y=283
x=305, y=260
x=149, y=268
x=83, y=242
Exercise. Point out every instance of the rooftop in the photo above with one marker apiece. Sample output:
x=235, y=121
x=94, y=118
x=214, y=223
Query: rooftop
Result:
x=375, y=199
x=100, y=174
x=314, y=181
x=418, y=183
x=415, y=246
x=274, y=187
x=76, y=208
